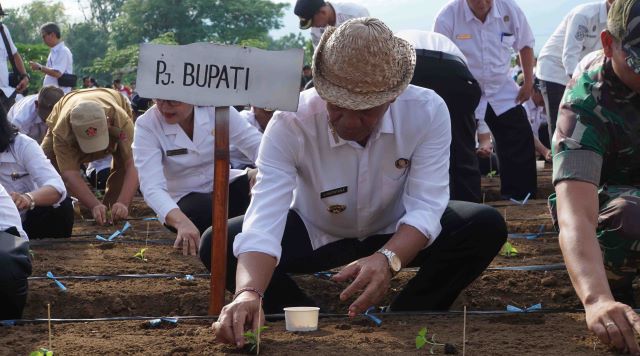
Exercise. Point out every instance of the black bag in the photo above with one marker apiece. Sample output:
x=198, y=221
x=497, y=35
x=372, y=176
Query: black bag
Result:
x=67, y=80
x=14, y=79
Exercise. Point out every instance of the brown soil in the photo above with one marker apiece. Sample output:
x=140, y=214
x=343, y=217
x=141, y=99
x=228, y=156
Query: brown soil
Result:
x=531, y=334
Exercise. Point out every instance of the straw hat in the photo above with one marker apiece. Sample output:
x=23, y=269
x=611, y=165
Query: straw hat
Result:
x=361, y=64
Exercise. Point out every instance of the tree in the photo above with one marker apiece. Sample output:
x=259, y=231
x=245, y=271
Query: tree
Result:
x=293, y=40
x=104, y=12
x=223, y=21
x=87, y=41
x=24, y=22
x=37, y=53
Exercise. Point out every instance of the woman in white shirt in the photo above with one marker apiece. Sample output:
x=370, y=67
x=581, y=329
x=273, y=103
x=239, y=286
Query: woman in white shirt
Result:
x=34, y=185
x=173, y=152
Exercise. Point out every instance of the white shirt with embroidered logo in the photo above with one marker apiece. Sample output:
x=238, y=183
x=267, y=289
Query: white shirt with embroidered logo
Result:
x=24, y=115
x=166, y=177
x=300, y=158
x=344, y=11
x=25, y=168
x=237, y=159
x=60, y=59
x=488, y=47
x=577, y=35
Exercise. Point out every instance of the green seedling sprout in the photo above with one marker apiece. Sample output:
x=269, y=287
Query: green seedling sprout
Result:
x=140, y=255
x=251, y=338
x=423, y=339
x=32, y=254
x=492, y=174
x=508, y=250
x=41, y=352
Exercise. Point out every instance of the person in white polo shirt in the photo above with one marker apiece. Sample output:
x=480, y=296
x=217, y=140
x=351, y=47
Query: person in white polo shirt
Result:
x=488, y=32
x=358, y=176
x=173, y=151
x=30, y=114
x=60, y=60
x=14, y=259
x=577, y=35
x=318, y=14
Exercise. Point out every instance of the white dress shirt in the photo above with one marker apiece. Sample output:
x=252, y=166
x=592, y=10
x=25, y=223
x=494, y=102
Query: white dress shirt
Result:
x=432, y=41
x=60, y=59
x=344, y=11
x=400, y=177
x=9, y=216
x=24, y=115
x=171, y=165
x=25, y=168
x=488, y=47
x=535, y=114
x=237, y=159
x=577, y=35
x=5, y=67
x=98, y=165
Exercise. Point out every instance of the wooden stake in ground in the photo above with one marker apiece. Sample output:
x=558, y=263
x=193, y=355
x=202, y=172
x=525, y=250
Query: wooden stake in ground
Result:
x=49, y=317
x=464, y=331
x=220, y=201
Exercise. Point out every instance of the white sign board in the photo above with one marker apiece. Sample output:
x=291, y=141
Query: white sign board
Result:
x=209, y=74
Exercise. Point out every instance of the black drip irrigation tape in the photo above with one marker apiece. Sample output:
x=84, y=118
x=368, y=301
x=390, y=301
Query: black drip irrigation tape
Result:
x=281, y=316
x=551, y=267
x=98, y=242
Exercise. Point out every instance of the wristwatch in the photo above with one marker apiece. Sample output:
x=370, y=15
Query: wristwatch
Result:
x=395, y=265
x=32, y=204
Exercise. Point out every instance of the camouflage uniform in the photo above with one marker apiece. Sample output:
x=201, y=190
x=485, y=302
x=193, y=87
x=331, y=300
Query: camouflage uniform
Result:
x=597, y=140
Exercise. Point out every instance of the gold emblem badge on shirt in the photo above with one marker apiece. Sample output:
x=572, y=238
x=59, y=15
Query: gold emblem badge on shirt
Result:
x=506, y=18
x=402, y=163
x=336, y=209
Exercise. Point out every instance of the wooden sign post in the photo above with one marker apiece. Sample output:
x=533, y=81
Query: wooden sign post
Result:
x=208, y=74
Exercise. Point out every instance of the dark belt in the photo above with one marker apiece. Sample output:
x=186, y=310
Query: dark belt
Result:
x=439, y=55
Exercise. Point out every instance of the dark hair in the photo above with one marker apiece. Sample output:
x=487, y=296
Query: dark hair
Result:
x=8, y=132
x=51, y=27
x=306, y=66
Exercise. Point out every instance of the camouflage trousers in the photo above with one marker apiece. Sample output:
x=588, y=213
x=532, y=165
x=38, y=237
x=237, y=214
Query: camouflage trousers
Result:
x=619, y=234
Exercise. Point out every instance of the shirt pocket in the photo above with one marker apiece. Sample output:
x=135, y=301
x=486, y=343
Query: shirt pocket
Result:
x=392, y=188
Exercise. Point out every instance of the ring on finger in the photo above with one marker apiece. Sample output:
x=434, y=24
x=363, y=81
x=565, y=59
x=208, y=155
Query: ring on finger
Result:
x=609, y=323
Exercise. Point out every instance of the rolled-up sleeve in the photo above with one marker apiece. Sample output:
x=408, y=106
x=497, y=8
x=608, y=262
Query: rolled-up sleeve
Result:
x=426, y=194
x=272, y=194
x=147, y=157
x=524, y=34
x=40, y=168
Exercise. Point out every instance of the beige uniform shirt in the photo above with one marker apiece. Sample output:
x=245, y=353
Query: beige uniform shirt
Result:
x=60, y=143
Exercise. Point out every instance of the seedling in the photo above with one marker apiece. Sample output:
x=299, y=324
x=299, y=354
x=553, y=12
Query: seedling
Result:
x=140, y=255
x=252, y=338
x=508, y=250
x=41, y=352
x=492, y=174
x=423, y=339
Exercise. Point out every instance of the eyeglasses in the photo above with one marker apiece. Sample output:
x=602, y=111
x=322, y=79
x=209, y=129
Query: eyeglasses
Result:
x=167, y=102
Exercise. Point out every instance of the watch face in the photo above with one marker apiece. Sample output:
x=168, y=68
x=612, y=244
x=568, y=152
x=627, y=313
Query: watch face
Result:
x=395, y=263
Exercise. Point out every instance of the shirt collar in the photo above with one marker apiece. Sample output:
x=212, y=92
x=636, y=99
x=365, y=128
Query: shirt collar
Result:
x=469, y=16
x=603, y=12
x=57, y=47
x=386, y=126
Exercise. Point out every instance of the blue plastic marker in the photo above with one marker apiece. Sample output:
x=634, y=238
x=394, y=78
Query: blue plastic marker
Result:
x=514, y=309
x=523, y=202
x=149, y=219
x=373, y=318
x=8, y=323
x=101, y=238
x=125, y=227
x=60, y=285
x=189, y=277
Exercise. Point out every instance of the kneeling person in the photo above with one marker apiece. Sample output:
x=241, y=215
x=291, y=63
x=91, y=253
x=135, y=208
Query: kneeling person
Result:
x=365, y=160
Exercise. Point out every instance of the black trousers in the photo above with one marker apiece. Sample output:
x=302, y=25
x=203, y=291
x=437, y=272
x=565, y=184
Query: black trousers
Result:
x=14, y=271
x=516, y=152
x=50, y=222
x=552, y=93
x=453, y=81
x=471, y=236
x=99, y=180
x=197, y=206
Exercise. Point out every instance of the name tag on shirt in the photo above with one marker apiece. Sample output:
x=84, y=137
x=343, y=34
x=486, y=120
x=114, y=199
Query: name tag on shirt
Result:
x=332, y=192
x=178, y=152
x=463, y=36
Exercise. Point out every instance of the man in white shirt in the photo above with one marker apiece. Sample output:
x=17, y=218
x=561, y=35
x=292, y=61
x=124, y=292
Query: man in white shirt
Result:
x=7, y=92
x=60, y=60
x=441, y=66
x=488, y=32
x=30, y=113
x=318, y=14
x=365, y=160
x=14, y=259
x=577, y=35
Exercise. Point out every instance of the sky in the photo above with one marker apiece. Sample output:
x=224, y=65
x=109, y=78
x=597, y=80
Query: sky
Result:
x=543, y=15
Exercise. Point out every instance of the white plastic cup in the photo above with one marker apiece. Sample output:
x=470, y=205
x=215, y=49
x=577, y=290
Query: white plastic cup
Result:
x=301, y=318
x=540, y=165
